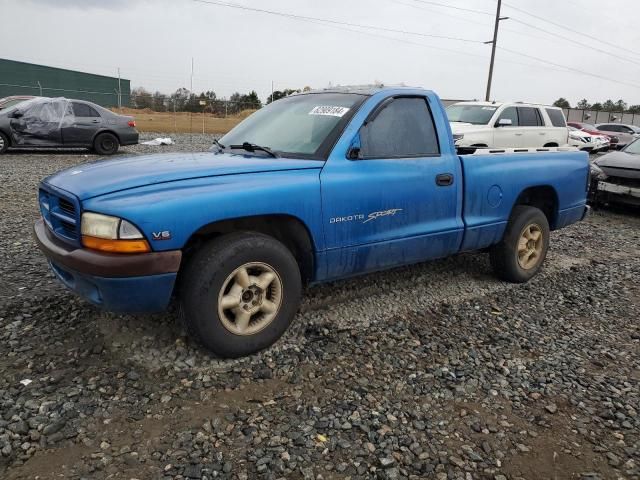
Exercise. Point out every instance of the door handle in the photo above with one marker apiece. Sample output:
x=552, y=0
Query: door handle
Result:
x=518, y=134
x=542, y=133
x=95, y=121
x=444, y=179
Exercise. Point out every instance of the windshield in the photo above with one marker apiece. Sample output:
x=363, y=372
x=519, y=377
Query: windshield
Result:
x=633, y=147
x=475, y=114
x=22, y=104
x=296, y=125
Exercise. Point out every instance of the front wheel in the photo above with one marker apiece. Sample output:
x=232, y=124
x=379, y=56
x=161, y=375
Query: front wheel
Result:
x=523, y=248
x=239, y=293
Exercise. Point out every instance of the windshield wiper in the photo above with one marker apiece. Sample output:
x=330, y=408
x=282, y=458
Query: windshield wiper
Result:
x=252, y=147
x=218, y=144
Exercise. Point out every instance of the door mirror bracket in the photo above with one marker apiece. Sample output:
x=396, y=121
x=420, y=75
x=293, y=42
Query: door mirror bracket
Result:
x=354, y=153
x=504, y=122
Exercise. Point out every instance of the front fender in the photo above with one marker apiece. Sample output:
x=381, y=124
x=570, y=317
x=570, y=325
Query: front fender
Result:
x=181, y=208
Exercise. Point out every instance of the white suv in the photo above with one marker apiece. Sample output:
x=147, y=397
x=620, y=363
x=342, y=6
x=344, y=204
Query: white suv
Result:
x=507, y=125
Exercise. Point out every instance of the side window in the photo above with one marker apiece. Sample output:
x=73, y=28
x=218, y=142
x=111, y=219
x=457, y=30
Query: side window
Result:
x=84, y=111
x=510, y=113
x=557, y=117
x=404, y=128
x=540, y=118
x=528, y=117
x=609, y=128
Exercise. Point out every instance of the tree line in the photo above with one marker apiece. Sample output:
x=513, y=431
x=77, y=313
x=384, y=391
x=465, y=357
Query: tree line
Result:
x=606, y=106
x=183, y=100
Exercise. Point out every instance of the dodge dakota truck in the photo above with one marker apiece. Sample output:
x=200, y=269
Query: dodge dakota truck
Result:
x=314, y=187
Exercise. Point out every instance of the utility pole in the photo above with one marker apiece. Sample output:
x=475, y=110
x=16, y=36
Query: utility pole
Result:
x=493, y=49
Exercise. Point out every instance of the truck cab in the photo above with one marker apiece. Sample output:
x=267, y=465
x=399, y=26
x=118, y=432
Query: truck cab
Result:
x=313, y=187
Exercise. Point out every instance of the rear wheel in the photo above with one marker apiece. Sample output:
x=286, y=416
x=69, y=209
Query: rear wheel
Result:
x=521, y=252
x=4, y=142
x=239, y=293
x=106, y=144
x=548, y=145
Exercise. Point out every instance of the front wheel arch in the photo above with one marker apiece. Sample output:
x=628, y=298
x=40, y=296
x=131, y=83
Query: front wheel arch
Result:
x=287, y=229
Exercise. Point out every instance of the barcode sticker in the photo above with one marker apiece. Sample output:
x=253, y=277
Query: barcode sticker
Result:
x=328, y=110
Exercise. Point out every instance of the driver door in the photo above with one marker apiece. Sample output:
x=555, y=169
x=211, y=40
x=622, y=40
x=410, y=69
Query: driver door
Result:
x=398, y=201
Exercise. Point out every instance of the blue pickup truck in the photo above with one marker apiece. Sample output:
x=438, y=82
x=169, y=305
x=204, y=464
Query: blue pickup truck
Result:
x=314, y=187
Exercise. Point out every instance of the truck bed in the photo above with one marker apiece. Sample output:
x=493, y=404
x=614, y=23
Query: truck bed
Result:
x=491, y=189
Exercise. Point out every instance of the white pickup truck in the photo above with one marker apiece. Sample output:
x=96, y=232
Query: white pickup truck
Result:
x=506, y=125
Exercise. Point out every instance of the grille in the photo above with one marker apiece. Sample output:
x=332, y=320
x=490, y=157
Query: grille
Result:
x=61, y=214
x=627, y=182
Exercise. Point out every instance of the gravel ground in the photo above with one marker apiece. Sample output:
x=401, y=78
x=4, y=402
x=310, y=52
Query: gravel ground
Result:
x=432, y=371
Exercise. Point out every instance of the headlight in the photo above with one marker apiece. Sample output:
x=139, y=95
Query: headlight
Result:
x=596, y=172
x=111, y=234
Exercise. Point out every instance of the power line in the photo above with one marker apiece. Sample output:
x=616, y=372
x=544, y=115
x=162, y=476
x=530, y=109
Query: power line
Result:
x=459, y=18
x=569, y=29
x=570, y=68
x=569, y=39
x=335, y=22
x=428, y=2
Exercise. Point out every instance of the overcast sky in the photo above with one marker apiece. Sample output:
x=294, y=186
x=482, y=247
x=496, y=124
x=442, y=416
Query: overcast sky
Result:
x=153, y=41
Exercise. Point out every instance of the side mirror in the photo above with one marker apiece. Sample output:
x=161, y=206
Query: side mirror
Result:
x=16, y=114
x=354, y=153
x=504, y=122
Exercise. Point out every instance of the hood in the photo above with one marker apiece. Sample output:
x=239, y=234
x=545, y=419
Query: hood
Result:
x=461, y=127
x=101, y=177
x=620, y=164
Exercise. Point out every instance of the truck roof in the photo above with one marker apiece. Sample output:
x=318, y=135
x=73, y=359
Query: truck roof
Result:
x=361, y=89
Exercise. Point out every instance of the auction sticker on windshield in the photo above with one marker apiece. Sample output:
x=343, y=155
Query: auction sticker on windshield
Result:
x=328, y=110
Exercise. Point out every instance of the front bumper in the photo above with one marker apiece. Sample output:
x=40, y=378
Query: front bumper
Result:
x=114, y=282
x=618, y=193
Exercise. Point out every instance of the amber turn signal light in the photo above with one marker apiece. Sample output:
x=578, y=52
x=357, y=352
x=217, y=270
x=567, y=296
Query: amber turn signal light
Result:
x=115, y=246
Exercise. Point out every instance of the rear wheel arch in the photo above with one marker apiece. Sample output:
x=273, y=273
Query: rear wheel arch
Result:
x=292, y=232
x=543, y=197
x=551, y=144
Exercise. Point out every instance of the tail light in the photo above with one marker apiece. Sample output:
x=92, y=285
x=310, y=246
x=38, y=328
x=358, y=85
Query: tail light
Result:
x=131, y=123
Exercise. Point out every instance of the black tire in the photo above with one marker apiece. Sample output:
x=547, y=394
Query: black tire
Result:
x=106, y=144
x=4, y=143
x=207, y=274
x=504, y=256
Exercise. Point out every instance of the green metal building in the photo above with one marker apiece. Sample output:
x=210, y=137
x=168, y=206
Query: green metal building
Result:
x=19, y=78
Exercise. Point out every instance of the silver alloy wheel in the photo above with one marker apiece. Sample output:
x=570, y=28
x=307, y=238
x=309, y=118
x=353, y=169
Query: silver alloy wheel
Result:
x=1, y=142
x=530, y=246
x=250, y=298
